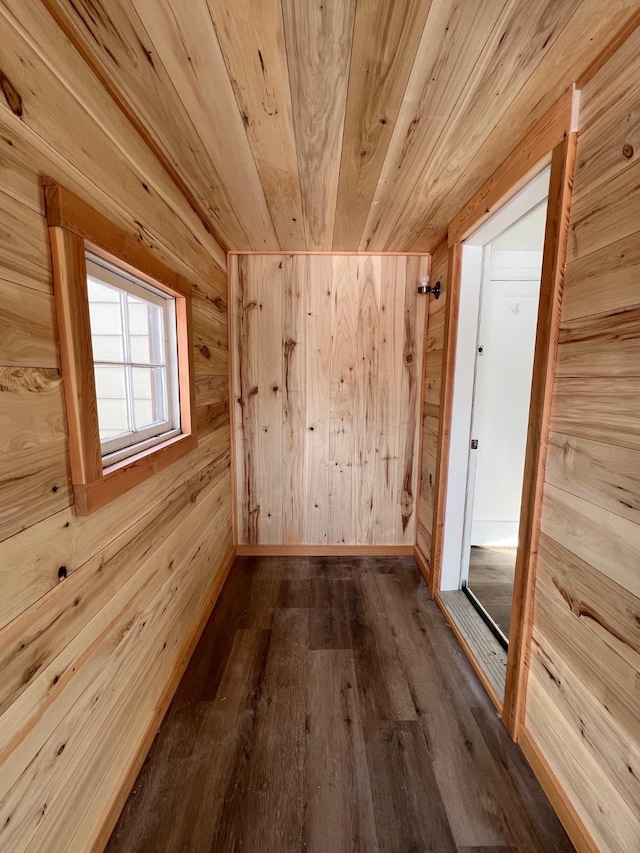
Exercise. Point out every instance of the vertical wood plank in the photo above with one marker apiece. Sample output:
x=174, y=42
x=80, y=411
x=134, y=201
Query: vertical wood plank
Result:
x=319, y=284
x=270, y=368
x=367, y=330
x=247, y=401
x=294, y=392
x=342, y=525
x=386, y=498
x=415, y=307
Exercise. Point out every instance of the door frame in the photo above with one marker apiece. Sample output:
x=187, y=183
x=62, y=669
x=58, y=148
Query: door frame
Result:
x=551, y=141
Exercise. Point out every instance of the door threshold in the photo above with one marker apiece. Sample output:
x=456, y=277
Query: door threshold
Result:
x=486, y=617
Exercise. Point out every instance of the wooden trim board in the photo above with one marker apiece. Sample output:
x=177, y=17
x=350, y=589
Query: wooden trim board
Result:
x=120, y=795
x=325, y=550
x=544, y=365
x=569, y=818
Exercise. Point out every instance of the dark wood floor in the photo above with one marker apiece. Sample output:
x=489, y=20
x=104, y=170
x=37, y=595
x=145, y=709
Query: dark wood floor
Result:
x=329, y=708
x=491, y=572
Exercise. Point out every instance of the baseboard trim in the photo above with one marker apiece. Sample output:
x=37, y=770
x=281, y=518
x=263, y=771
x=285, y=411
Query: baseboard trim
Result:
x=423, y=564
x=569, y=818
x=497, y=701
x=120, y=795
x=324, y=550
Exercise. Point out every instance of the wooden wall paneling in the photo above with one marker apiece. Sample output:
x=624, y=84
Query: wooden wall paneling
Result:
x=605, y=475
x=454, y=269
x=294, y=393
x=116, y=45
x=600, y=408
x=342, y=503
x=608, y=676
x=385, y=40
x=253, y=45
x=27, y=327
x=332, y=450
x=452, y=53
x=158, y=629
x=246, y=409
x=31, y=560
x=544, y=364
x=389, y=440
x=412, y=385
x=606, y=541
x=608, y=609
x=319, y=306
x=24, y=253
x=430, y=414
x=565, y=648
x=365, y=404
x=62, y=102
x=601, y=345
x=55, y=619
x=609, y=141
x=607, y=214
x=603, y=281
x=33, y=443
x=318, y=40
x=582, y=779
x=271, y=355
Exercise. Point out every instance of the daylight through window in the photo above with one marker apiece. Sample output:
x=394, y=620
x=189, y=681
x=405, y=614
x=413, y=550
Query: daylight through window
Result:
x=133, y=336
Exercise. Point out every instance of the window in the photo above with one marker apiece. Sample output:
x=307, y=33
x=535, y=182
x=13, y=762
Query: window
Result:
x=124, y=321
x=133, y=337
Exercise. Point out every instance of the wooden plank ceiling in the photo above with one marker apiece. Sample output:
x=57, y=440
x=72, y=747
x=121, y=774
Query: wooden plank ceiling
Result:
x=336, y=124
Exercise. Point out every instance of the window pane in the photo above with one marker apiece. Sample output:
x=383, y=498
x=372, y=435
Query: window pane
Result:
x=146, y=329
x=106, y=321
x=111, y=391
x=149, y=396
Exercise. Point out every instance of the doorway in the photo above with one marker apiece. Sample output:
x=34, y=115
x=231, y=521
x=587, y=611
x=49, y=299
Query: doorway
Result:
x=498, y=312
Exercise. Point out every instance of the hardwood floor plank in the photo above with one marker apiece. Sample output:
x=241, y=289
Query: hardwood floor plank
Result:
x=282, y=738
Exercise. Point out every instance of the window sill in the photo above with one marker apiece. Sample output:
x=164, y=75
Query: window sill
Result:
x=128, y=473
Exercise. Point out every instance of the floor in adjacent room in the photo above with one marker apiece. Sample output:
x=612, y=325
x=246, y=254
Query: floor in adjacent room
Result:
x=328, y=707
x=491, y=572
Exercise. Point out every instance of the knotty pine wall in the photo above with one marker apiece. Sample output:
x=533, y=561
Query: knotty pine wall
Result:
x=584, y=680
x=328, y=354
x=433, y=363
x=85, y=662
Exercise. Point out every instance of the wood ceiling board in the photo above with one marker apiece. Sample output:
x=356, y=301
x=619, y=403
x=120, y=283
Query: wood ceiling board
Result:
x=385, y=40
x=575, y=48
x=113, y=37
x=453, y=52
x=528, y=34
x=318, y=40
x=185, y=40
x=252, y=40
x=61, y=104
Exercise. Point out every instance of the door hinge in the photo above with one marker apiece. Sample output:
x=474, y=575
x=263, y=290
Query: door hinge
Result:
x=474, y=443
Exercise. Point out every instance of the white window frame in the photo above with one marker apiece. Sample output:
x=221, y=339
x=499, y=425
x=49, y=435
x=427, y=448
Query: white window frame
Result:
x=120, y=447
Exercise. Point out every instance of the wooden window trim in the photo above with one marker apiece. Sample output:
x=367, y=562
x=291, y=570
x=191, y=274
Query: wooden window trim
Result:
x=74, y=228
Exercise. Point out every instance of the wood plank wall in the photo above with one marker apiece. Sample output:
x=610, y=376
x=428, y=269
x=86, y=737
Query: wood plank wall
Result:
x=86, y=659
x=433, y=363
x=584, y=681
x=328, y=361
